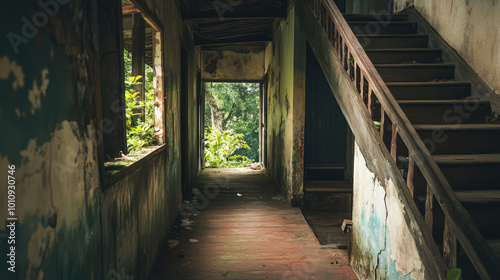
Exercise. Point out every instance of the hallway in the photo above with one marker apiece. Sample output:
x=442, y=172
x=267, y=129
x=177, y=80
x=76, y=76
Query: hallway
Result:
x=245, y=230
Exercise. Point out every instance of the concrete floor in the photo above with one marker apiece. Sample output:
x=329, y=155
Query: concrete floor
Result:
x=245, y=230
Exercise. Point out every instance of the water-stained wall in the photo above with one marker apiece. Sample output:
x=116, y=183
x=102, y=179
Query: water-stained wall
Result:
x=285, y=65
x=233, y=64
x=383, y=247
x=70, y=225
x=472, y=28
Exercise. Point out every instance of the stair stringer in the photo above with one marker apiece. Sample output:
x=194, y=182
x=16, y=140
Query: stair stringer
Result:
x=379, y=163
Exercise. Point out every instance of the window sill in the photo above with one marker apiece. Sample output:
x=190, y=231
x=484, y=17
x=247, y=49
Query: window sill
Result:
x=119, y=168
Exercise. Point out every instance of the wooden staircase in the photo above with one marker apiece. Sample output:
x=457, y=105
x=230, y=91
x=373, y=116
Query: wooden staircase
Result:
x=431, y=125
x=446, y=116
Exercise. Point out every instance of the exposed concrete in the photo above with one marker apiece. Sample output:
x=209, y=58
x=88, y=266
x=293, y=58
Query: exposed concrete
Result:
x=237, y=64
x=286, y=109
x=383, y=246
x=472, y=28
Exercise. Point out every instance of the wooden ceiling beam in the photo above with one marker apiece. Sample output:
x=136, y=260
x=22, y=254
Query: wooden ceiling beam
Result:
x=241, y=39
x=236, y=14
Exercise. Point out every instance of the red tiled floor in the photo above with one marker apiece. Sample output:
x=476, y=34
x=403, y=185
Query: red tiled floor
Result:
x=251, y=236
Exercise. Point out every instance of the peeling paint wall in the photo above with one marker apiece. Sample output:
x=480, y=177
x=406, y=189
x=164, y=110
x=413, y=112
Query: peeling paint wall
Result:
x=472, y=28
x=383, y=247
x=285, y=64
x=69, y=225
x=236, y=64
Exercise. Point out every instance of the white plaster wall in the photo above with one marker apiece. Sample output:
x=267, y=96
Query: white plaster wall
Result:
x=472, y=28
x=384, y=247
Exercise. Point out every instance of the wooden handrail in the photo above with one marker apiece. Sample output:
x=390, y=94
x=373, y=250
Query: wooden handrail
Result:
x=371, y=86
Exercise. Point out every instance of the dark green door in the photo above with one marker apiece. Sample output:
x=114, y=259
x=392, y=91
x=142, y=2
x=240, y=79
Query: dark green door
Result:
x=326, y=128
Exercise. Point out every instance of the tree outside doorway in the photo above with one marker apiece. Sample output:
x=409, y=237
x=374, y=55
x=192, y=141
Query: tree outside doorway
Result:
x=231, y=124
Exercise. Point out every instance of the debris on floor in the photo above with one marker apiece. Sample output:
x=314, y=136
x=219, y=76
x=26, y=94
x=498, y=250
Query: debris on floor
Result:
x=172, y=243
x=279, y=197
x=299, y=234
x=193, y=240
x=186, y=223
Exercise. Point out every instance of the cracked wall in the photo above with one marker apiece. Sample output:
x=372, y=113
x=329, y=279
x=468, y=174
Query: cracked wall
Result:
x=233, y=64
x=285, y=65
x=70, y=226
x=383, y=247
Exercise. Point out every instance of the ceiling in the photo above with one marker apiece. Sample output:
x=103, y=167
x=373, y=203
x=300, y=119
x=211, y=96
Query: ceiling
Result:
x=223, y=22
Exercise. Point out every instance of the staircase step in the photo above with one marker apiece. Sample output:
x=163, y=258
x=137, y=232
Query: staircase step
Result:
x=415, y=72
x=468, y=159
x=324, y=172
x=429, y=90
x=328, y=187
x=485, y=216
x=404, y=56
x=460, y=138
x=444, y=111
x=374, y=27
x=485, y=196
x=465, y=172
x=376, y=17
x=393, y=41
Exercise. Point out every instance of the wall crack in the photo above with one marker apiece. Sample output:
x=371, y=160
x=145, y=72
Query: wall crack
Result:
x=385, y=237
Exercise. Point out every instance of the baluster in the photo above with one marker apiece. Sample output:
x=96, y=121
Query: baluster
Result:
x=385, y=124
x=411, y=174
x=371, y=101
x=357, y=77
x=449, y=245
x=324, y=17
x=429, y=205
x=349, y=66
x=334, y=28
x=382, y=123
x=345, y=56
x=364, y=89
x=351, y=63
x=394, y=140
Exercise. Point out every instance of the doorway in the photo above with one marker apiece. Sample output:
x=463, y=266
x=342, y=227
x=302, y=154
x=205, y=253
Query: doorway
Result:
x=233, y=123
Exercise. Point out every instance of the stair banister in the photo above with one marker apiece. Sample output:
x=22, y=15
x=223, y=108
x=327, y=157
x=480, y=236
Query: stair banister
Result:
x=360, y=68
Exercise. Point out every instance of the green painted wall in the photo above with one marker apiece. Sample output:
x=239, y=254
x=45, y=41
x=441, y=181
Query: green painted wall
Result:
x=69, y=226
x=285, y=64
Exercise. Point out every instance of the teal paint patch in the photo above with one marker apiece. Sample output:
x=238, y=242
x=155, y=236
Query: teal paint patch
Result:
x=61, y=101
x=374, y=244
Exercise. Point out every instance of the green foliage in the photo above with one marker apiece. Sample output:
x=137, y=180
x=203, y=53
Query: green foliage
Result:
x=220, y=149
x=454, y=274
x=139, y=134
x=240, y=104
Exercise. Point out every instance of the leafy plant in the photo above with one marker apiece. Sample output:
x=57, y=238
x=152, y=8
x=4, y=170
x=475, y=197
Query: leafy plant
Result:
x=139, y=134
x=220, y=149
x=454, y=274
x=234, y=106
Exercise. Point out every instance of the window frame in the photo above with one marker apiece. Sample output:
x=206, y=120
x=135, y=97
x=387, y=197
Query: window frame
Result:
x=112, y=120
